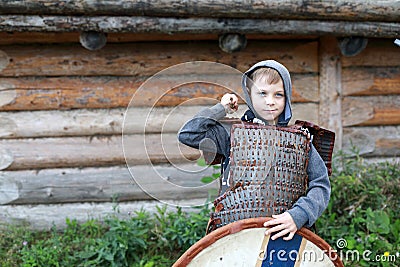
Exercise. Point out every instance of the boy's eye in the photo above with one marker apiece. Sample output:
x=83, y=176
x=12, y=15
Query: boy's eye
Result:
x=262, y=93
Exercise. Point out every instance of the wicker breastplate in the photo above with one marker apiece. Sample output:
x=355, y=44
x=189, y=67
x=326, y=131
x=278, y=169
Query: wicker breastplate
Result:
x=267, y=172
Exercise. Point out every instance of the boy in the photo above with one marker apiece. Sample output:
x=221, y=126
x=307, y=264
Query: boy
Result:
x=267, y=170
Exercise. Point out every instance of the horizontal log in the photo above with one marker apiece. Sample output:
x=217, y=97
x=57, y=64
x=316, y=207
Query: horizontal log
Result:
x=82, y=122
x=105, y=92
x=98, y=121
x=146, y=59
x=160, y=182
x=378, y=53
x=46, y=23
x=94, y=151
x=41, y=93
x=385, y=10
x=372, y=141
x=373, y=110
x=7, y=38
x=46, y=216
x=370, y=81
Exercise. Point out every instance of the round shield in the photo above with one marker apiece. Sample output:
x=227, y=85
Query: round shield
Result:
x=244, y=243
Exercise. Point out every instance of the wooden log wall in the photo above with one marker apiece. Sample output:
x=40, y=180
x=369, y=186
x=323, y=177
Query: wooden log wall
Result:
x=62, y=110
x=371, y=100
x=62, y=113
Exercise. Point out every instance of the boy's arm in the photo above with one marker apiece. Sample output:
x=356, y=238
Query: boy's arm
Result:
x=308, y=208
x=205, y=132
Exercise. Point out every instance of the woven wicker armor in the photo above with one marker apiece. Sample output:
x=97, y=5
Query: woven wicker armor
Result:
x=267, y=172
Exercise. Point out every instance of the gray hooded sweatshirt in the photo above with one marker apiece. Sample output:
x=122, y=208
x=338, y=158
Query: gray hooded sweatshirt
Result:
x=205, y=132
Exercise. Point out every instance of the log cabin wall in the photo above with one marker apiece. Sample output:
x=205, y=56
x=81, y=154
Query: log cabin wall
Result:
x=371, y=100
x=62, y=113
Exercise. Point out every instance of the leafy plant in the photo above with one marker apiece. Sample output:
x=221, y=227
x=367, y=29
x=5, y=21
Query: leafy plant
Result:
x=212, y=193
x=364, y=209
x=214, y=176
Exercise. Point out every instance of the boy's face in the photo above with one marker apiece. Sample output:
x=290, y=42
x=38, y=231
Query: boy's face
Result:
x=268, y=100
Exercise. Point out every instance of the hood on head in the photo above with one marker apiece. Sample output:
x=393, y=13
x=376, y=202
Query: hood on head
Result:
x=286, y=115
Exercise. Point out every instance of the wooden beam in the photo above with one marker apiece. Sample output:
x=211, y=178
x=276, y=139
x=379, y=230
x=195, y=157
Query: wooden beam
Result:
x=92, y=122
x=94, y=151
x=146, y=59
x=383, y=10
x=372, y=141
x=330, y=116
x=43, y=93
x=372, y=110
x=82, y=122
x=7, y=38
x=45, y=216
x=103, y=92
x=378, y=53
x=371, y=81
x=104, y=184
x=157, y=25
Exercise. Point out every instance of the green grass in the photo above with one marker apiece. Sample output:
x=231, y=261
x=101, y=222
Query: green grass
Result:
x=364, y=210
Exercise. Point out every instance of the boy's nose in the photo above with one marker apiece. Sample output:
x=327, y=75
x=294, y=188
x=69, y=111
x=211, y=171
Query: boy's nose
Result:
x=269, y=100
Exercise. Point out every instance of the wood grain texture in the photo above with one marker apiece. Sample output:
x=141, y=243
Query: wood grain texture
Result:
x=7, y=38
x=330, y=102
x=42, y=93
x=164, y=25
x=6, y=158
x=378, y=53
x=94, y=151
x=93, y=122
x=84, y=122
x=373, y=141
x=371, y=81
x=372, y=110
x=4, y=60
x=146, y=59
x=104, y=184
x=384, y=10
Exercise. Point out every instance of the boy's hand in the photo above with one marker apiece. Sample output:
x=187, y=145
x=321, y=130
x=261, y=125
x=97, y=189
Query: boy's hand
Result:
x=283, y=224
x=230, y=103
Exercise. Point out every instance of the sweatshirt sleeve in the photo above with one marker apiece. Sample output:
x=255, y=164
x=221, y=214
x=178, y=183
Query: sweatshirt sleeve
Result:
x=308, y=208
x=204, y=131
